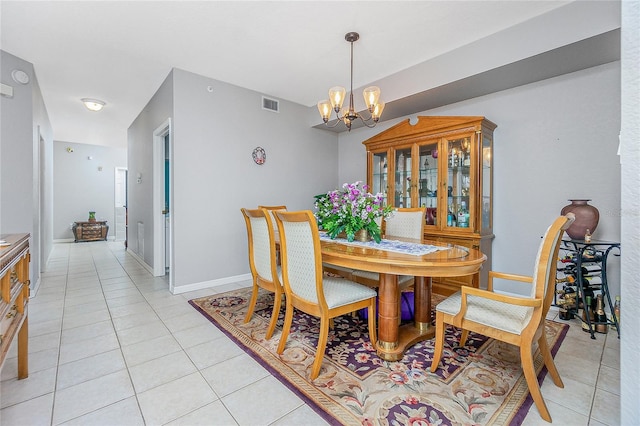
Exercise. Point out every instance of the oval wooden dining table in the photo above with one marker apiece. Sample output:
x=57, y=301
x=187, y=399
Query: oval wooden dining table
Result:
x=393, y=338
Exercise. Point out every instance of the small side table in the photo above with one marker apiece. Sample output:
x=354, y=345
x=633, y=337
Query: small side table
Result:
x=90, y=231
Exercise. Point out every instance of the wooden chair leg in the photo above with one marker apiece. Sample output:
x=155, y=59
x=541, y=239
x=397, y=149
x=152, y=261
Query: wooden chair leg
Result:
x=371, y=310
x=463, y=337
x=548, y=361
x=439, y=340
x=288, y=318
x=526, y=357
x=277, y=302
x=322, y=345
x=252, y=302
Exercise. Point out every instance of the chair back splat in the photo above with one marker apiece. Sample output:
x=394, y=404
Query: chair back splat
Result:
x=405, y=223
x=306, y=287
x=512, y=319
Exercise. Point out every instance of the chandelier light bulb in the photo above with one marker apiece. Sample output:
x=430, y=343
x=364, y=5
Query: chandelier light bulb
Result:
x=377, y=111
x=336, y=95
x=325, y=110
x=371, y=95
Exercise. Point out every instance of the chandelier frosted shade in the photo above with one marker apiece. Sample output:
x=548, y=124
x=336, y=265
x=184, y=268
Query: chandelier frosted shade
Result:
x=325, y=109
x=338, y=94
x=377, y=111
x=371, y=95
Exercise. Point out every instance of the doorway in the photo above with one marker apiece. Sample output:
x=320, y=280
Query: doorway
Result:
x=120, y=191
x=162, y=202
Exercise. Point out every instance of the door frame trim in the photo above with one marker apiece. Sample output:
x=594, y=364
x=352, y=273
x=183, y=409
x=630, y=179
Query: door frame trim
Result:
x=158, y=202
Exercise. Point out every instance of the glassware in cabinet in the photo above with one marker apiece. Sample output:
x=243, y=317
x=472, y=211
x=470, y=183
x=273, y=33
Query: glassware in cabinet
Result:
x=459, y=181
x=380, y=178
x=428, y=181
x=403, y=178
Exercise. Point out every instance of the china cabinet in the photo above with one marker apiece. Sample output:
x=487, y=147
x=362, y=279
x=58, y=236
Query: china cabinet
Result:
x=446, y=165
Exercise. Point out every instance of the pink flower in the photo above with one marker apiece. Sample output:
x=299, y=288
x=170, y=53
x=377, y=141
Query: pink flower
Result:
x=362, y=357
x=411, y=400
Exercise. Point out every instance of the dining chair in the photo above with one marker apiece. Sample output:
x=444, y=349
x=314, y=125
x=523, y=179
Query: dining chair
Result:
x=272, y=210
x=404, y=223
x=308, y=289
x=262, y=262
x=516, y=320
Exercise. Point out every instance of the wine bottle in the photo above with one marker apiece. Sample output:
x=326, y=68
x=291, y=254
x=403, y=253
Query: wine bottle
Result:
x=600, y=316
x=586, y=310
x=616, y=310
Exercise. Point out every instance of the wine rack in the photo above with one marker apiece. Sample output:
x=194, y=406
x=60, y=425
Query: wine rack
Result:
x=582, y=276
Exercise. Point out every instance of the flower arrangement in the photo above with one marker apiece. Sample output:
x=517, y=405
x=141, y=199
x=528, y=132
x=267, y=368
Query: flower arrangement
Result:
x=351, y=209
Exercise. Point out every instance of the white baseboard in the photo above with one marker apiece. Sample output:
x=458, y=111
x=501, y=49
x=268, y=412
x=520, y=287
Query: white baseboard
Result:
x=140, y=260
x=211, y=283
x=63, y=240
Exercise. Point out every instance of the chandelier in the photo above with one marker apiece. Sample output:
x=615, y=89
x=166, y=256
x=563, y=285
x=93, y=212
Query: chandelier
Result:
x=337, y=95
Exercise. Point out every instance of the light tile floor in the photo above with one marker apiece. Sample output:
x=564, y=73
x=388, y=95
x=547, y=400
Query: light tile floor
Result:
x=109, y=344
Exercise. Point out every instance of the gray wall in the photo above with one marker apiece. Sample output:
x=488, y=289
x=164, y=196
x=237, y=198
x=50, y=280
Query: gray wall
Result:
x=214, y=134
x=80, y=186
x=556, y=139
x=26, y=140
x=140, y=161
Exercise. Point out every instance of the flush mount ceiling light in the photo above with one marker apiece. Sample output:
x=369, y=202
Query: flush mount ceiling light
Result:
x=337, y=94
x=93, y=104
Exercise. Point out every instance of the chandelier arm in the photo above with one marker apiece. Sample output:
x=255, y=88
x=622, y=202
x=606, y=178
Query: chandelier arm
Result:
x=338, y=121
x=365, y=122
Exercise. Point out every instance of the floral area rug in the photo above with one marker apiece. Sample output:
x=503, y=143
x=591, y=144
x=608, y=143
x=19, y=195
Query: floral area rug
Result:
x=480, y=383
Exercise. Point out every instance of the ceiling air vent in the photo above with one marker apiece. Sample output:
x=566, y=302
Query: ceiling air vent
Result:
x=270, y=104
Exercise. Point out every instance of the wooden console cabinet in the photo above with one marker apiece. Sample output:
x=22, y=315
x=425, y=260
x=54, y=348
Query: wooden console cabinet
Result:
x=14, y=278
x=90, y=231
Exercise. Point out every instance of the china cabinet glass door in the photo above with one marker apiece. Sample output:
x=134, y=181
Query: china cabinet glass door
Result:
x=380, y=176
x=458, y=182
x=403, y=183
x=487, y=175
x=428, y=181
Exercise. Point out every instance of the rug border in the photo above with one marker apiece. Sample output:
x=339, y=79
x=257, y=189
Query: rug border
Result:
x=326, y=416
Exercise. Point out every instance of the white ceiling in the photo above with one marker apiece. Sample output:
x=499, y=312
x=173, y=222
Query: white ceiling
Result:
x=121, y=51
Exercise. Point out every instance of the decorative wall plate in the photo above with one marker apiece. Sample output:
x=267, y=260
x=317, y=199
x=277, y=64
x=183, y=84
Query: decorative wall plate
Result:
x=259, y=156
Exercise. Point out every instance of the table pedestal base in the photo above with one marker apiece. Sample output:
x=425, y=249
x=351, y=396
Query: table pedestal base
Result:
x=393, y=340
x=408, y=335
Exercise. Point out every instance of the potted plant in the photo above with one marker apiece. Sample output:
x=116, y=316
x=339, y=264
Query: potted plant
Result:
x=352, y=211
x=92, y=216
